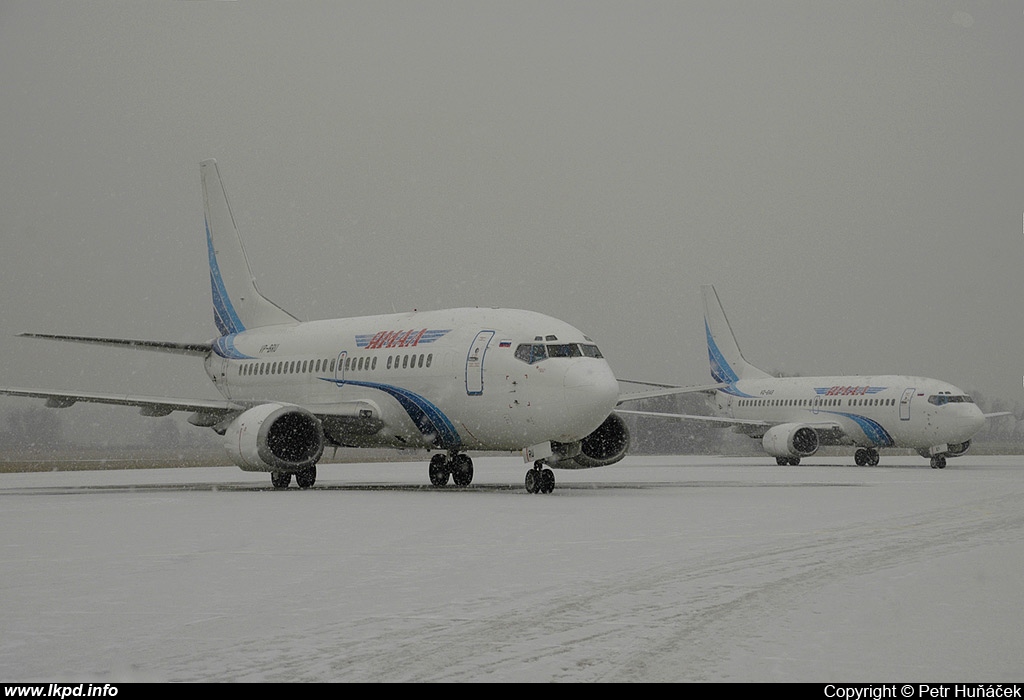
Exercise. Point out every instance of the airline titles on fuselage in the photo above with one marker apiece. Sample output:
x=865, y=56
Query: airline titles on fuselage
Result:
x=848, y=390
x=399, y=338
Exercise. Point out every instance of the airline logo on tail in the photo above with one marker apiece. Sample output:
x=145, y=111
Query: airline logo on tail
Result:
x=720, y=369
x=224, y=315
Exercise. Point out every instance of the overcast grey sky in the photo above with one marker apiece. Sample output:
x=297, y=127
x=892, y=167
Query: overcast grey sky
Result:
x=849, y=176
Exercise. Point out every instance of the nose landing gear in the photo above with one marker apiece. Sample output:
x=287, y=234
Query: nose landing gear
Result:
x=539, y=479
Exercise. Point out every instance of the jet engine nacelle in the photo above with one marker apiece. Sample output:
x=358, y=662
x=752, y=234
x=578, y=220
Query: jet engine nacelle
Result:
x=275, y=437
x=606, y=445
x=953, y=449
x=959, y=448
x=790, y=440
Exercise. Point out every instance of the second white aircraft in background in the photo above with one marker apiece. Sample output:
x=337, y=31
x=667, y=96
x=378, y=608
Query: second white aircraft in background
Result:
x=793, y=416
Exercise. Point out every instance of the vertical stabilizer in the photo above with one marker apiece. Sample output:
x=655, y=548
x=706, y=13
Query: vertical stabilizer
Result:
x=237, y=303
x=727, y=363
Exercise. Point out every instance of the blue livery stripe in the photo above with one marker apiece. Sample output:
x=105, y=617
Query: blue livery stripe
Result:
x=733, y=390
x=225, y=347
x=874, y=432
x=720, y=369
x=427, y=417
x=224, y=315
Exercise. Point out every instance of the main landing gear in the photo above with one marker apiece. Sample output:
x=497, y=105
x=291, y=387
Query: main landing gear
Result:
x=866, y=457
x=539, y=479
x=304, y=478
x=457, y=466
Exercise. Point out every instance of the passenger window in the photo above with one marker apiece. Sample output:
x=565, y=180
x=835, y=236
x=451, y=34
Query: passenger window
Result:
x=429, y=358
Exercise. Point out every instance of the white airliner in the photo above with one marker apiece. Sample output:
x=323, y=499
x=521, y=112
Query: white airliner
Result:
x=792, y=416
x=449, y=381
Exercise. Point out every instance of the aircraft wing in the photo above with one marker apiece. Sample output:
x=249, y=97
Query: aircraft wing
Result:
x=829, y=432
x=199, y=349
x=205, y=412
x=150, y=405
x=709, y=419
x=663, y=390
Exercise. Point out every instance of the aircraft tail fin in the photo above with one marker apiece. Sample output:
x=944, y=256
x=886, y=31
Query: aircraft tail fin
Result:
x=727, y=362
x=237, y=303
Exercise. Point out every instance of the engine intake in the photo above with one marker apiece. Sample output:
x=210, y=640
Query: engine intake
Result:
x=957, y=449
x=275, y=437
x=606, y=445
x=790, y=440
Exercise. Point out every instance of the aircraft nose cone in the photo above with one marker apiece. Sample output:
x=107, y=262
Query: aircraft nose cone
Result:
x=590, y=382
x=975, y=419
x=967, y=421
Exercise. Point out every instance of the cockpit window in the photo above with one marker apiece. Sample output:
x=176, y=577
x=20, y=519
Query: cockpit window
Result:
x=531, y=353
x=536, y=352
x=564, y=350
x=943, y=399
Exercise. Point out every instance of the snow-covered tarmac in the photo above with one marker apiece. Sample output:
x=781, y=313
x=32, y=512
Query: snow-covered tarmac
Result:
x=654, y=569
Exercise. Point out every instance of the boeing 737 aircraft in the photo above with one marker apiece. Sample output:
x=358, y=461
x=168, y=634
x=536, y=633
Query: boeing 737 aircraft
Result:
x=449, y=381
x=793, y=416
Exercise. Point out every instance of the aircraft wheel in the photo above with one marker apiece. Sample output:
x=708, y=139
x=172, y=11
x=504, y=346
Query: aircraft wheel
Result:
x=439, y=470
x=462, y=470
x=547, y=481
x=782, y=461
x=306, y=478
x=872, y=457
x=860, y=457
x=938, y=462
x=533, y=481
x=280, y=480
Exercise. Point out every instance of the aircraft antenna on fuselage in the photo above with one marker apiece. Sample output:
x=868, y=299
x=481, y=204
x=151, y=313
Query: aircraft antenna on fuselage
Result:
x=237, y=303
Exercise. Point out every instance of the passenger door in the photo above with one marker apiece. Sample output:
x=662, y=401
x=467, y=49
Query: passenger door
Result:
x=908, y=394
x=475, y=363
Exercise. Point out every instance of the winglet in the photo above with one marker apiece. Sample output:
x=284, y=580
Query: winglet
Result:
x=237, y=303
x=727, y=362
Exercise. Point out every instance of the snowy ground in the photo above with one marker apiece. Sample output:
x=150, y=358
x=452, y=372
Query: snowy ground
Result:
x=655, y=569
